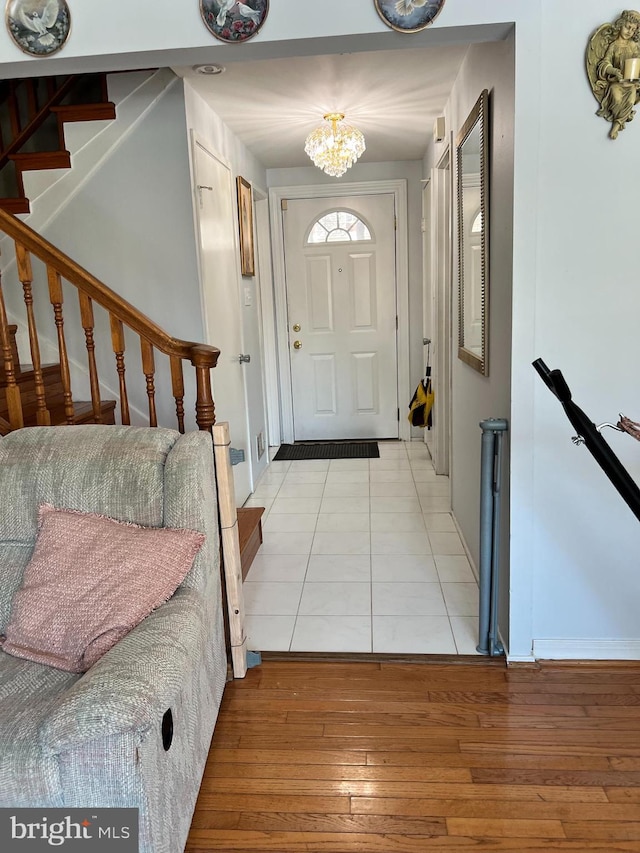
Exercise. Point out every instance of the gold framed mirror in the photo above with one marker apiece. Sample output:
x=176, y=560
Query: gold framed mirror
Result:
x=472, y=159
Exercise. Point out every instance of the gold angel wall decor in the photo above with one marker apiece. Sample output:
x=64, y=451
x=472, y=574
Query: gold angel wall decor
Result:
x=613, y=68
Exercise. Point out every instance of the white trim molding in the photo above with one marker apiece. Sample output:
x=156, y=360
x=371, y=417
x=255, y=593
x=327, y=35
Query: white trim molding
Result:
x=276, y=194
x=586, y=649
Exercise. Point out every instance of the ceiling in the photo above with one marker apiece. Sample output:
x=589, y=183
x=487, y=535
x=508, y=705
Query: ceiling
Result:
x=392, y=96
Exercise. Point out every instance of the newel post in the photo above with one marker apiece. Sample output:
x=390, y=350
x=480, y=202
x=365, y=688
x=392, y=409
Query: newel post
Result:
x=204, y=359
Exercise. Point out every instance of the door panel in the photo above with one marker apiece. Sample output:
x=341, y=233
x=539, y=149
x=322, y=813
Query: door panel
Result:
x=221, y=301
x=342, y=295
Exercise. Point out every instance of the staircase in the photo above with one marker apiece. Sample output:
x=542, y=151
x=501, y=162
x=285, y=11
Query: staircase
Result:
x=41, y=393
x=34, y=113
x=54, y=391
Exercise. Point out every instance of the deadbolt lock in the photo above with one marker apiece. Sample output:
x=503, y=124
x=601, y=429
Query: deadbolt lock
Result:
x=297, y=327
x=297, y=344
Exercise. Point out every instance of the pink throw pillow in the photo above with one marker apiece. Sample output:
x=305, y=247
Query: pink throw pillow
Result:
x=90, y=580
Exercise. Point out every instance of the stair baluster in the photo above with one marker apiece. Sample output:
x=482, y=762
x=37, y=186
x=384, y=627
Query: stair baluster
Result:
x=205, y=409
x=177, y=386
x=149, y=369
x=56, y=298
x=12, y=391
x=117, y=341
x=86, y=318
x=25, y=274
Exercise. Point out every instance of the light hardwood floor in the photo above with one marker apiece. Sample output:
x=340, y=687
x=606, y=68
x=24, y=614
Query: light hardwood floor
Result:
x=440, y=757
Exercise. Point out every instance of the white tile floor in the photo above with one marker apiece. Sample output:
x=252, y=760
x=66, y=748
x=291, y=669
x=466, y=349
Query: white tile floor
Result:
x=360, y=555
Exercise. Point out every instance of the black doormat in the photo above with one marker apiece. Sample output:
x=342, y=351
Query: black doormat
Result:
x=327, y=450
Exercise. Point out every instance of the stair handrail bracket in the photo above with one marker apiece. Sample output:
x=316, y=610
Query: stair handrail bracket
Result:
x=122, y=314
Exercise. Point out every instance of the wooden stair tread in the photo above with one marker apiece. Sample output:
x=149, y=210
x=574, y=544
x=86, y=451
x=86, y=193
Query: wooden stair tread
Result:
x=249, y=535
x=15, y=205
x=85, y=112
x=25, y=373
x=42, y=160
x=82, y=412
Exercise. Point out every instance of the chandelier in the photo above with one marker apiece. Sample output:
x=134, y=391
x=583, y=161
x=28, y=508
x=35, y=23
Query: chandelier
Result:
x=334, y=147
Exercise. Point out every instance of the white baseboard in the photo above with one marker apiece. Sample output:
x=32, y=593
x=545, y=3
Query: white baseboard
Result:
x=586, y=649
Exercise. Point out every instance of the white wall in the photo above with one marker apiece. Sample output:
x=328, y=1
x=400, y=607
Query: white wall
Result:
x=408, y=170
x=587, y=544
x=216, y=136
x=574, y=545
x=476, y=397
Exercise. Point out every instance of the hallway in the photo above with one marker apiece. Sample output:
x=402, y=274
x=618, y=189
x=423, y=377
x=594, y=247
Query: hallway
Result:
x=360, y=555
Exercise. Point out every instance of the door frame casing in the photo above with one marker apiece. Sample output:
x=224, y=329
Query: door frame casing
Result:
x=276, y=195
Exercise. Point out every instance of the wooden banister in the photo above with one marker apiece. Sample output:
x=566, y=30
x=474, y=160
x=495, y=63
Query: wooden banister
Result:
x=103, y=295
x=122, y=317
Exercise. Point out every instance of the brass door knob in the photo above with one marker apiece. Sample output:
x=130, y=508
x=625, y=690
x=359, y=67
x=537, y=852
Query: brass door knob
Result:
x=297, y=344
x=297, y=327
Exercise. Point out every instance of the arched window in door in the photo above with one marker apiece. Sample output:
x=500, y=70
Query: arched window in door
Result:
x=338, y=226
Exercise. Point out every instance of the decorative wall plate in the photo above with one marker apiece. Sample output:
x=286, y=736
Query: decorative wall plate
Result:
x=232, y=21
x=38, y=27
x=408, y=16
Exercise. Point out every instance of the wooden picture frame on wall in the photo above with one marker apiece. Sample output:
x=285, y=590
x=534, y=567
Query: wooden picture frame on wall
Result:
x=245, y=224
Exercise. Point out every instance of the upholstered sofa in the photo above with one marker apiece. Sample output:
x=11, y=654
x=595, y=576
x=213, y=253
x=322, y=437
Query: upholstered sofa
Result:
x=104, y=738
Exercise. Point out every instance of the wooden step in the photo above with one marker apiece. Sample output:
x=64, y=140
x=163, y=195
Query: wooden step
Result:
x=25, y=375
x=82, y=414
x=85, y=112
x=15, y=205
x=41, y=160
x=249, y=534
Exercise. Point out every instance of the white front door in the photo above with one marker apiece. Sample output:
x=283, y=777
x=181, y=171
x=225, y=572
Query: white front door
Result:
x=217, y=218
x=341, y=300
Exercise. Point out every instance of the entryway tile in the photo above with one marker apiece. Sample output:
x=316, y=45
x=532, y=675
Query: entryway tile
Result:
x=302, y=477
x=301, y=490
x=465, y=633
x=336, y=599
x=346, y=490
x=286, y=543
x=392, y=504
x=290, y=522
x=348, y=465
x=296, y=505
x=339, y=542
x=346, y=504
x=461, y=598
x=430, y=505
x=332, y=634
x=278, y=568
x=390, y=476
x=445, y=543
x=428, y=635
x=269, y=633
x=272, y=599
x=349, y=522
x=407, y=568
x=309, y=465
x=439, y=522
x=400, y=543
x=361, y=476
x=432, y=489
x=389, y=522
x=393, y=490
x=338, y=568
x=407, y=599
x=454, y=569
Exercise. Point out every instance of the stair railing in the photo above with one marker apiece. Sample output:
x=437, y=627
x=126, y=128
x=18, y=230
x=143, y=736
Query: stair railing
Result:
x=122, y=316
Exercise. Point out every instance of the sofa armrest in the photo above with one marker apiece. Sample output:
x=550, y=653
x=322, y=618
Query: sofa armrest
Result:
x=136, y=680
